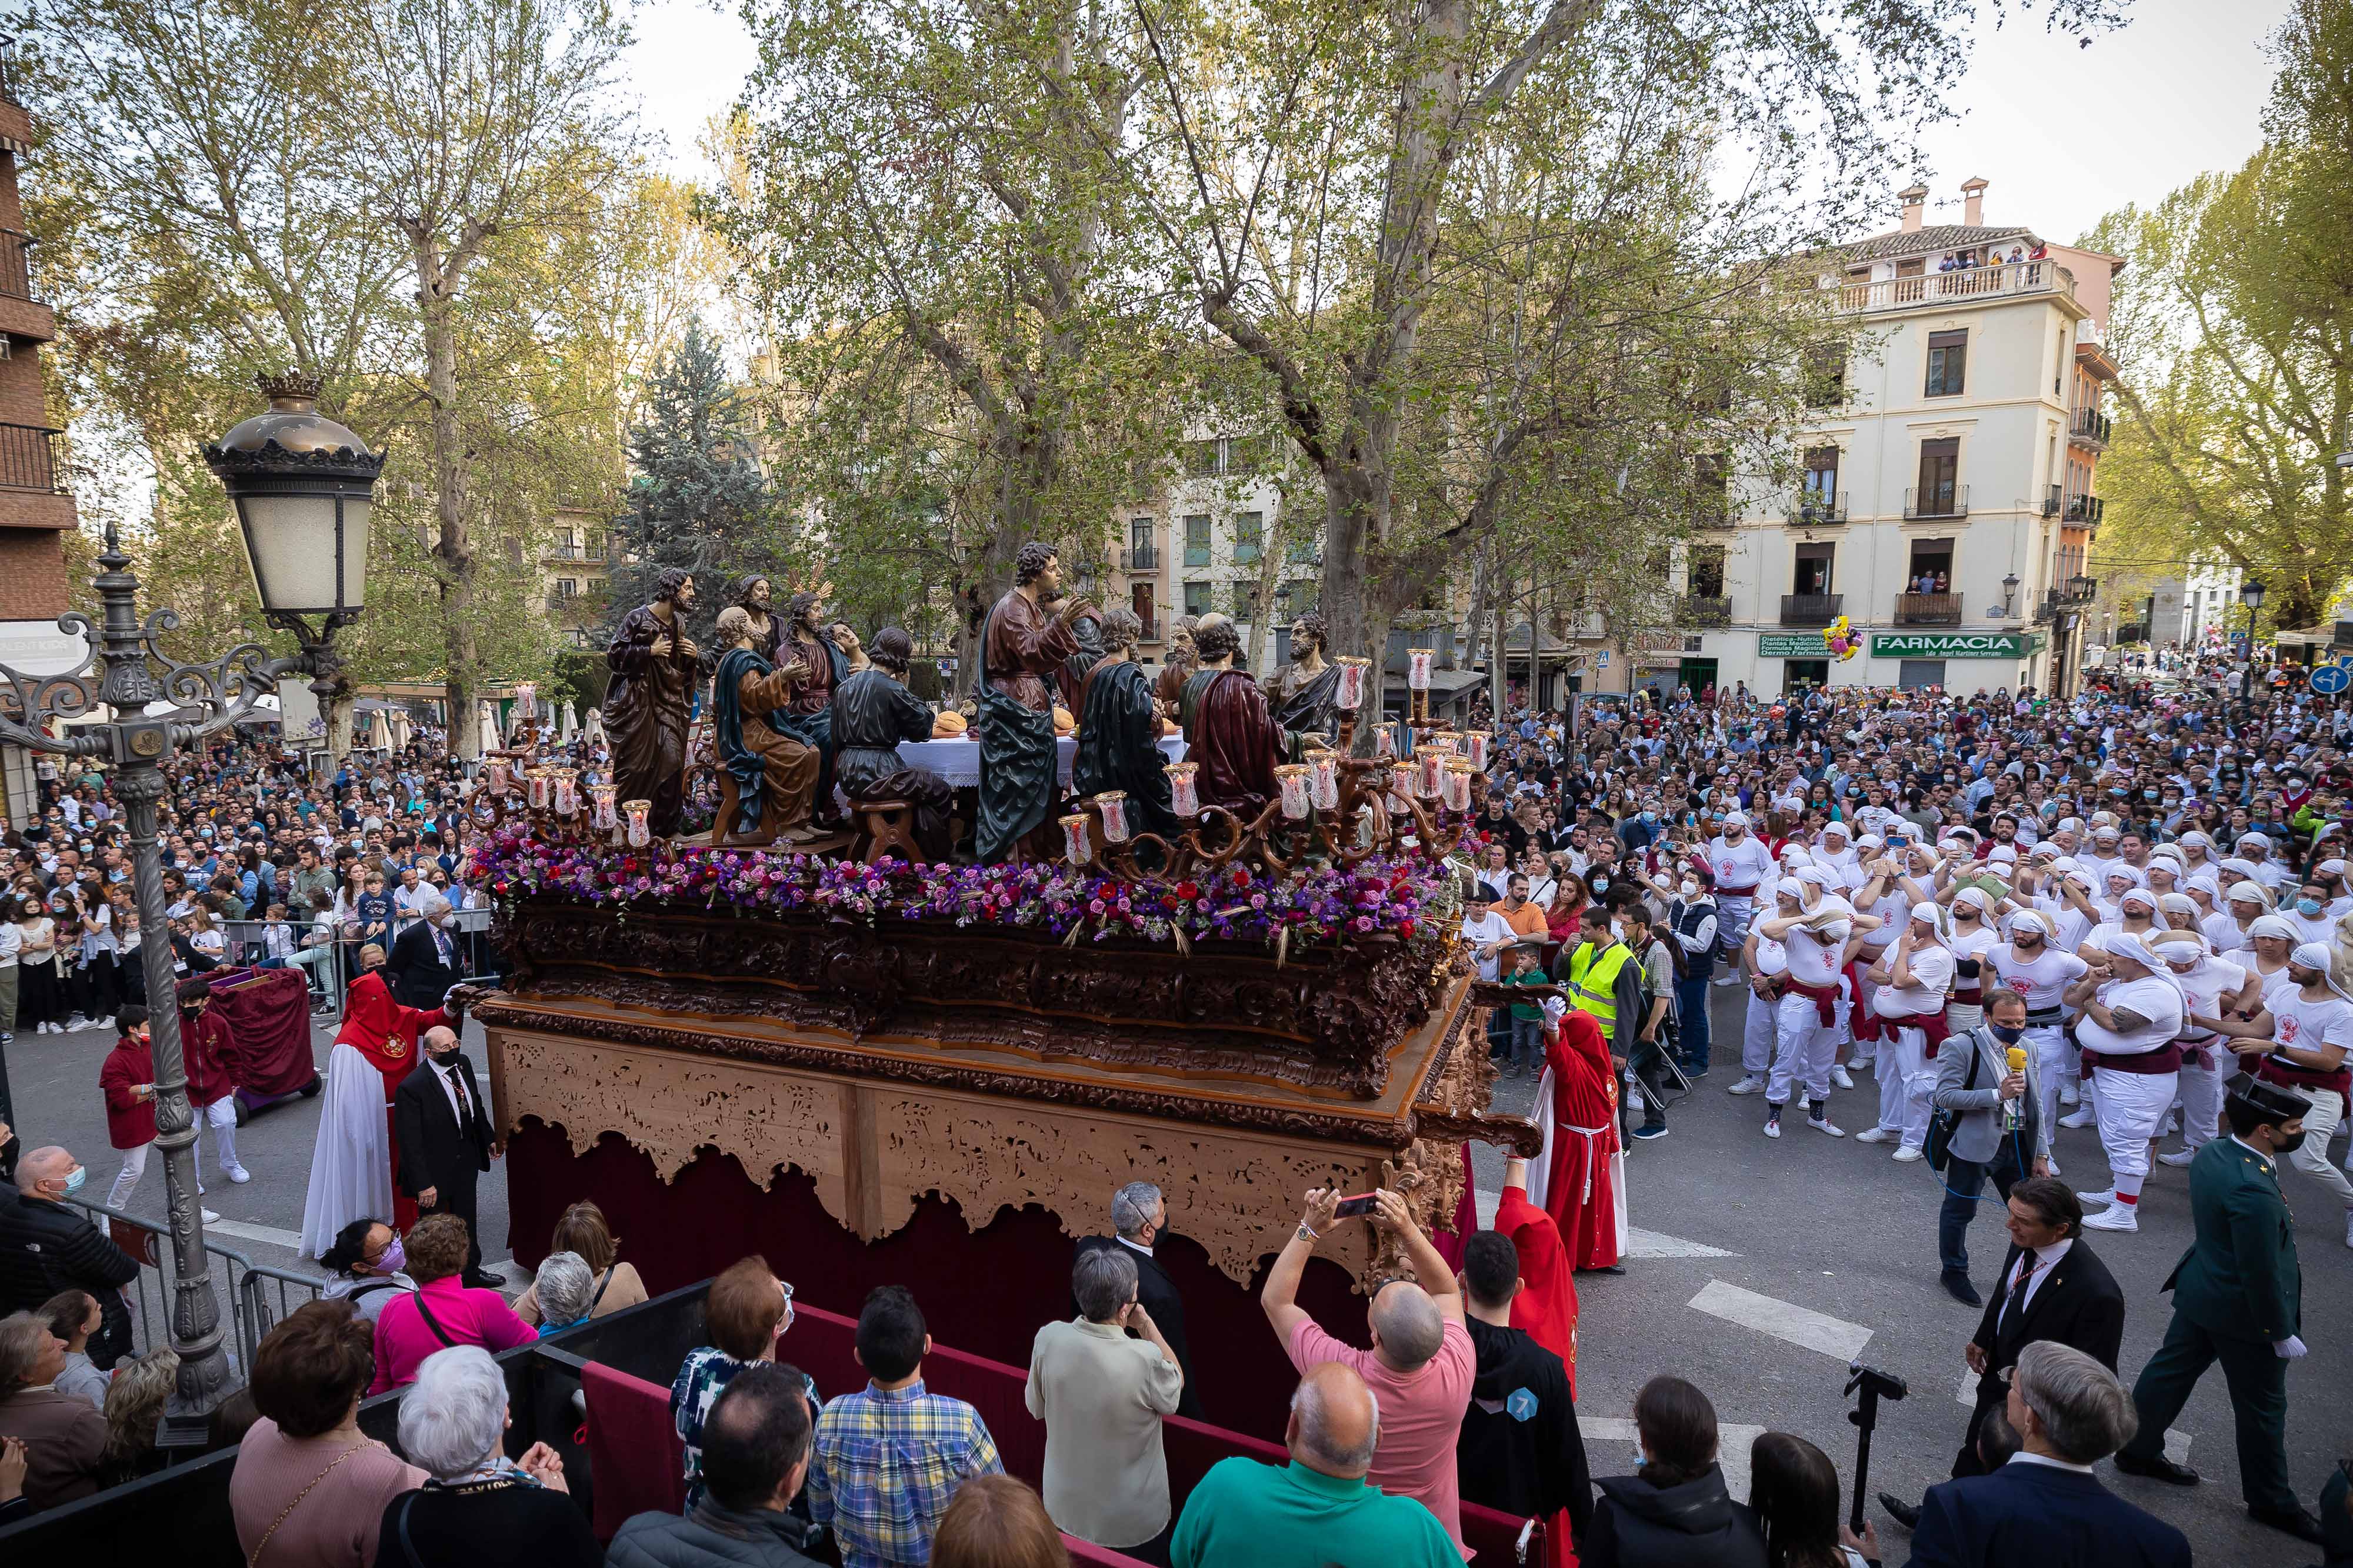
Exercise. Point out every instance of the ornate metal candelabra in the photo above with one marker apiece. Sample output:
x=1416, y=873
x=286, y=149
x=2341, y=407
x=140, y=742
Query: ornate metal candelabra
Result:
x=302, y=484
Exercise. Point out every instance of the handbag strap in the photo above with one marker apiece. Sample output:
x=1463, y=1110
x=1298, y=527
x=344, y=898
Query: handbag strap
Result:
x=431, y=1321
x=254, y=1557
x=601, y=1285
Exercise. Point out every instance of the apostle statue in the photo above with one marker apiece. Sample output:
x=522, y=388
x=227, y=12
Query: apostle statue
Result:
x=774, y=774
x=656, y=667
x=873, y=713
x=1306, y=697
x=1022, y=646
x=1228, y=731
x=1184, y=659
x=1085, y=622
x=1118, y=729
x=825, y=656
x=755, y=597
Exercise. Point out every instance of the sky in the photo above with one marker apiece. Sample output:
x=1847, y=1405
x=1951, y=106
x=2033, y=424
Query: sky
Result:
x=2065, y=133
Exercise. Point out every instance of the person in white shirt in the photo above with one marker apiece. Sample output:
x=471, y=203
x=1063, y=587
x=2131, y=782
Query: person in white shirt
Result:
x=1816, y=944
x=2256, y=848
x=1768, y=965
x=2029, y=965
x=2206, y=1061
x=1973, y=936
x=2304, y=1034
x=1487, y=934
x=1914, y=977
x=2133, y=1009
x=2242, y=907
x=1742, y=864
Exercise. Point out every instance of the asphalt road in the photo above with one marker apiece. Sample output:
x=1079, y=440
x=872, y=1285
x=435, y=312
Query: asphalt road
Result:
x=1839, y=1229
x=1810, y=1251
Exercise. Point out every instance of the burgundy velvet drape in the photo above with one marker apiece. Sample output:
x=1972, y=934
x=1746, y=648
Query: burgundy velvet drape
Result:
x=269, y=1017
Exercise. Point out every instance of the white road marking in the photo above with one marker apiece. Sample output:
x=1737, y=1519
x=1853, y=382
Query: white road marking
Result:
x=1638, y=1243
x=289, y=1239
x=1782, y=1320
x=1732, y=1448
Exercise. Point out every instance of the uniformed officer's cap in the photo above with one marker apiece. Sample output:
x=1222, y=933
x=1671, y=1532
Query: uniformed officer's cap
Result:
x=2268, y=1101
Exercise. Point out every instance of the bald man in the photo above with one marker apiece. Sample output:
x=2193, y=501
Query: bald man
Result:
x=443, y=1131
x=1422, y=1363
x=48, y=1246
x=1320, y=1509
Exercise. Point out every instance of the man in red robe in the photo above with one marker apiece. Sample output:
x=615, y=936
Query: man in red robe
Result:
x=1229, y=734
x=351, y=1172
x=1579, y=1179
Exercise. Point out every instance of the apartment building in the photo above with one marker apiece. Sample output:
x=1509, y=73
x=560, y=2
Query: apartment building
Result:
x=1202, y=545
x=36, y=511
x=1947, y=500
x=574, y=574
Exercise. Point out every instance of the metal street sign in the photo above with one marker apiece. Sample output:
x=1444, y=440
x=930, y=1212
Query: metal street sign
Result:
x=2328, y=680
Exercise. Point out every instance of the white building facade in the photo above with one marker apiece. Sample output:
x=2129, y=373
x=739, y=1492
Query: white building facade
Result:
x=1947, y=502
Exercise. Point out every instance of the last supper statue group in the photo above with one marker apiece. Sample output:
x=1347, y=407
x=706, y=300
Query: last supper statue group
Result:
x=803, y=713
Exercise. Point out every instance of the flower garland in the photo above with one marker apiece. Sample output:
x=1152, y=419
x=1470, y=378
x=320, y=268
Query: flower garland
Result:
x=1330, y=907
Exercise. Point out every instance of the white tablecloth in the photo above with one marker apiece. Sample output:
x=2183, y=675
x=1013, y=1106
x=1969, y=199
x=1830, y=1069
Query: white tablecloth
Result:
x=958, y=762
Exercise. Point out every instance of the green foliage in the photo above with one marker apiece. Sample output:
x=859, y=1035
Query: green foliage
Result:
x=2232, y=323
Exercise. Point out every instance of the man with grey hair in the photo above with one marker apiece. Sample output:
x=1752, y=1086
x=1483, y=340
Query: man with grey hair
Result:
x=424, y=961
x=2045, y=1506
x=1422, y=1363
x=489, y=1509
x=1320, y=1509
x=1139, y=1220
x=1103, y=1397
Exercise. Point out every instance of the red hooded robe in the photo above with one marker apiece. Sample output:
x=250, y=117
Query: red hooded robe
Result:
x=1577, y=1103
x=387, y=1033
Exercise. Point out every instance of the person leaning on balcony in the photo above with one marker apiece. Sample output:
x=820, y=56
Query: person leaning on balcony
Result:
x=310, y=1488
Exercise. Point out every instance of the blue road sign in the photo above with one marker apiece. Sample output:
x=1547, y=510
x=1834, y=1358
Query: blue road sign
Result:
x=2328, y=680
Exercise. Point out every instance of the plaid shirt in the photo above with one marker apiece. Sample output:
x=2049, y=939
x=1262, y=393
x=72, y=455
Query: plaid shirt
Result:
x=885, y=1466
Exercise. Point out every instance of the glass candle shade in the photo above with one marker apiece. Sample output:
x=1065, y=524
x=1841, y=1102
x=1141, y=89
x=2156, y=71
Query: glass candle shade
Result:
x=601, y=815
x=1075, y=848
x=1352, y=683
x=526, y=701
x=1430, y=776
x=1417, y=667
x=1113, y=805
x=1474, y=747
x=1323, y=779
x=566, y=792
x=537, y=787
x=498, y=776
x=1403, y=777
x=1458, y=785
x=1183, y=797
x=640, y=829
x=1293, y=778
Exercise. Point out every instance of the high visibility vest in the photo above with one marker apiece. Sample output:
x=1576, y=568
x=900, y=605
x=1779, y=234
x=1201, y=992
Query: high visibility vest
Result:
x=1593, y=987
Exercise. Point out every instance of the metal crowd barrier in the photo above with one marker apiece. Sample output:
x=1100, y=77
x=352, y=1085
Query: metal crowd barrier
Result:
x=247, y=943
x=257, y=1295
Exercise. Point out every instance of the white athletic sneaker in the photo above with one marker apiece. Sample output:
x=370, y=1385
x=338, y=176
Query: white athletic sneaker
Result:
x=2180, y=1157
x=210, y=1218
x=1824, y=1124
x=2108, y=1196
x=239, y=1175
x=2083, y=1118
x=2121, y=1217
x=1750, y=1084
x=76, y=1022
x=2067, y=1094
x=1859, y=1064
x=1841, y=1077
x=1906, y=1155
x=1876, y=1135
x=1728, y=977
x=1772, y=1127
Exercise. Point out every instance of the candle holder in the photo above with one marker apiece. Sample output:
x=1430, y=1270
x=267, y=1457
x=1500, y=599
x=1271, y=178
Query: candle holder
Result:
x=498, y=776
x=1113, y=803
x=1351, y=695
x=1458, y=784
x=1185, y=797
x=1403, y=780
x=1474, y=746
x=1323, y=779
x=1429, y=774
x=526, y=701
x=1292, y=779
x=1417, y=663
x=566, y=792
x=1075, y=847
x=602, y=815
x=638, y=813
x=537, y=787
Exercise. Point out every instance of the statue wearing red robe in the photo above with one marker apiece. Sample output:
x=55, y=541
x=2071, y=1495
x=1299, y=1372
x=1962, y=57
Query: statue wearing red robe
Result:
x=1232, y=737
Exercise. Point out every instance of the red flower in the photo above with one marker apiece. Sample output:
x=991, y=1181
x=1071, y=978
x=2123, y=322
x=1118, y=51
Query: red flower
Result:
x=1242, y=878
x=1187, y=891
x=1405, y=928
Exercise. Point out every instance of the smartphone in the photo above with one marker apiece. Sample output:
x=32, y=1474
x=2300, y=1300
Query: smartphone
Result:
x=1356, y=1207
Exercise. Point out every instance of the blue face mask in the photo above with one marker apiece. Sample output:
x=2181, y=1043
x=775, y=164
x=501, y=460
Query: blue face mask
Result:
x=2308, y=908
x=2008, y=1034
x=80, y=1174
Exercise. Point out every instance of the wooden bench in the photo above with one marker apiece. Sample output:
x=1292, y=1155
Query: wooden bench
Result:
x=885, y=826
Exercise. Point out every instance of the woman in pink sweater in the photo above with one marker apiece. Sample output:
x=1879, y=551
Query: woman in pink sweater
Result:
x=442, y=1312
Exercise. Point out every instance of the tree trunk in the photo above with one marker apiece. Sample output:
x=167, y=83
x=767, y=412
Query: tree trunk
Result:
x=452, y=548
x=1499, y=678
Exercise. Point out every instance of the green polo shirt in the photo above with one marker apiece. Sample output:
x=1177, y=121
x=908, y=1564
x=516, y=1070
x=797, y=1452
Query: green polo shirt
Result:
x=1245, y=1514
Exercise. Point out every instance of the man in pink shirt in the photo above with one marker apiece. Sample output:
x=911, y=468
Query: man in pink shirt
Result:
x=1420, y=1368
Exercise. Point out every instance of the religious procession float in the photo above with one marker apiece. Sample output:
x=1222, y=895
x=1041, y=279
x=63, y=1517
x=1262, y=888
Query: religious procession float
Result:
x=1237, y=978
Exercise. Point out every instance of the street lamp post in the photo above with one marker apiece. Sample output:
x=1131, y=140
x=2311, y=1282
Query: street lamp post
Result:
x=303, y=486
x=2250, y=594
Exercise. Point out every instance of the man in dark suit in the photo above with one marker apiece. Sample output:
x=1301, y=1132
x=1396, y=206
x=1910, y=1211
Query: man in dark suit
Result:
x=2045, y=1507
x=424, y=961
x=2051, y=1287
x=443, y=1131
x=2237, y=1297
x=1139, y=1218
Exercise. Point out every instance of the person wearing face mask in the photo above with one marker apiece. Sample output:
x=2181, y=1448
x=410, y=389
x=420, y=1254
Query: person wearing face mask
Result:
x=1692, y=916
x=370, y=1266
x=47, y=1245
x=2029, y=964
x=2309, y=913
x=2237, y=1297
x=424, y=960
x=2298, y=1041
x=444, y=1141
x=2132, y=1010
x=2207, y=984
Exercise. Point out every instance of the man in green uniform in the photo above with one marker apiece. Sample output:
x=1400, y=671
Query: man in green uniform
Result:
x=2237, y=1297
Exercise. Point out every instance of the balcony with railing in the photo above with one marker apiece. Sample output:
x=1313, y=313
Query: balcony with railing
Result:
x=1816, y=509
x=1811, y=609
x=1937, y=500
x=570, y=549
x=22, y=315
x=1153, y=630
x=1970, y=285
x=1704, y=610
x=1927, y=609
x=2091, y=427
x=1140, y=558
x=2086, y=509
x=2053, y=497
x=29, y=459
